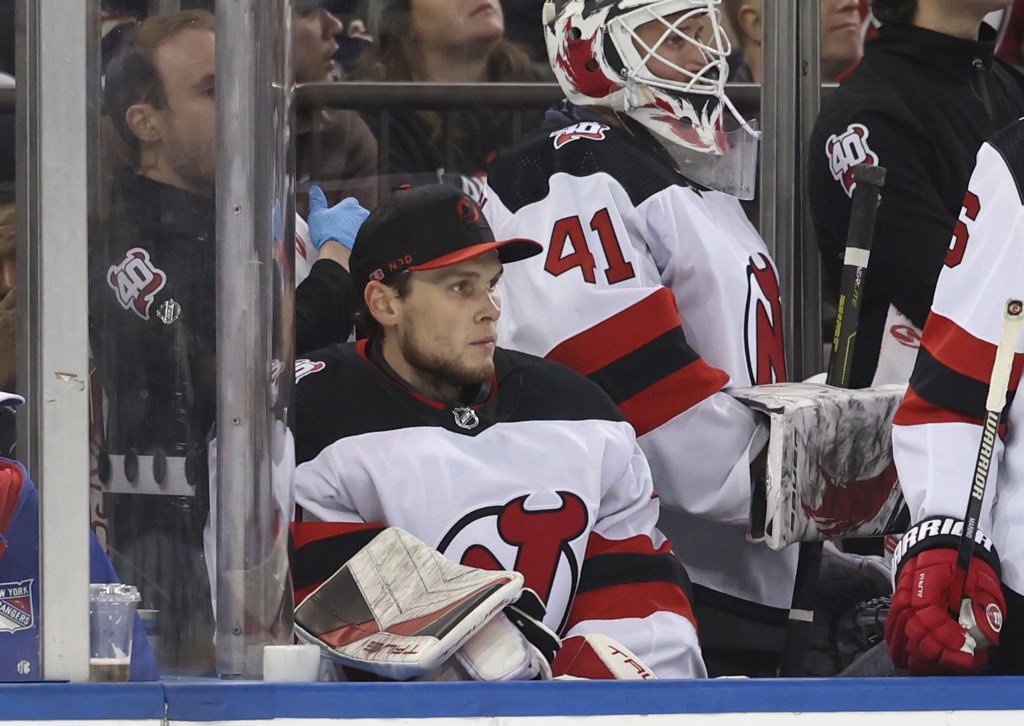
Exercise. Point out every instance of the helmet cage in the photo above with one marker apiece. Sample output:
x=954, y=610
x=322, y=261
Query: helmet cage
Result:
x=599, y=59
x=636, y=55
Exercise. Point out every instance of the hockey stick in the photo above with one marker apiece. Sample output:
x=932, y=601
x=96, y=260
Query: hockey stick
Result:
x=866, y=197
x=1013, y=318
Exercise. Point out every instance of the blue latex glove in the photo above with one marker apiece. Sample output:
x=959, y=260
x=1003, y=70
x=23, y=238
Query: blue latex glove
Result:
x=339, y=223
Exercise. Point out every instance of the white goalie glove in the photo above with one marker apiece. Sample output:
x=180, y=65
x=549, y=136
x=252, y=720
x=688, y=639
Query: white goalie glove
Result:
x=400, y=610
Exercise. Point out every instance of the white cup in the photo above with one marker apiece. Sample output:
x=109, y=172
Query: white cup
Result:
x=291, y=663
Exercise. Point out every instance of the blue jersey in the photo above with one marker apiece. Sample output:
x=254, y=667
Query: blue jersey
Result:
x=19, y=582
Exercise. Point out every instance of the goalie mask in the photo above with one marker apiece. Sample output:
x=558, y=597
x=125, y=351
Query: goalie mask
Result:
x=663, y=64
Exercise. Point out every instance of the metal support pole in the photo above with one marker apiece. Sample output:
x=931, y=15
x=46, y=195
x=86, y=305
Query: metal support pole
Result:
x=779, y=181
x=255, y=357
x=52, y=329
x=790, y=100
x=810, y=357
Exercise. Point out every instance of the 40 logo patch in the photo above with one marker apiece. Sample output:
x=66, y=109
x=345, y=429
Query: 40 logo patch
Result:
x=847, y=150
x=591, y=130
x=136, y=281
x=305, y=367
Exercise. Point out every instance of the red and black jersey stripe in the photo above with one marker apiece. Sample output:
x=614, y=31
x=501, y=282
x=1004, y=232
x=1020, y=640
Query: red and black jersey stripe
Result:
x=640, y=357
x=951, y=377
x=321, y=548
x=630, y=579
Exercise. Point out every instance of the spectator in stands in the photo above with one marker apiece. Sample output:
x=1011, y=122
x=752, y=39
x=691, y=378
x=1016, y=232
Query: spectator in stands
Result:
x=8, y=314
x=840, y=38
x=152, y=311
x=522, y=26
x=354, y=39
x=19, y=568
x=926, y=95
x=442, y=41
x=8, y=242
x=334, y=148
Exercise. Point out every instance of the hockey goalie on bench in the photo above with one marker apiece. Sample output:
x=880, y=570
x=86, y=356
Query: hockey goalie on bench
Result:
x=468, y=511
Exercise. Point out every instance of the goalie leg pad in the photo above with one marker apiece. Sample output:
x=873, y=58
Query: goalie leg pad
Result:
x=598, y=657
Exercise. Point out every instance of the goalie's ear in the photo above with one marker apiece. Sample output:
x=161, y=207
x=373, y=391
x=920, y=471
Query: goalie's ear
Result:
x=383, y=303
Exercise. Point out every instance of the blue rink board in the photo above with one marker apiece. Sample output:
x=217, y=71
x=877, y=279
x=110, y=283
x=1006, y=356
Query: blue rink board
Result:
x=197, y=700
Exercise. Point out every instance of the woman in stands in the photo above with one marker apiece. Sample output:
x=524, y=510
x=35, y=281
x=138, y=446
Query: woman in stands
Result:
x=442, y=41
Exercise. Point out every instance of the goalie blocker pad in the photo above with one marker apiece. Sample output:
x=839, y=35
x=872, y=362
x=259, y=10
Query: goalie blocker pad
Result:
x=830, y=471
x=399, y=609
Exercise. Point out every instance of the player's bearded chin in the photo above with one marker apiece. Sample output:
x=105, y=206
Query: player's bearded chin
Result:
x=441, y=372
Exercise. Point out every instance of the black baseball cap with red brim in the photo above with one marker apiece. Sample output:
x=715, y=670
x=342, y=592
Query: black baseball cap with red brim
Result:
x=425, y=228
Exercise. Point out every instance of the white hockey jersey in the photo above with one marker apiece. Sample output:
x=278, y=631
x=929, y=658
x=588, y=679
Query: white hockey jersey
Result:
x=663, y=294
x=937, y=429
x=543, y=476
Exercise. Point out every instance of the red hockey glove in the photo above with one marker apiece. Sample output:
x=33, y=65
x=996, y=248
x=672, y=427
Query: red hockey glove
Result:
x=923, y=636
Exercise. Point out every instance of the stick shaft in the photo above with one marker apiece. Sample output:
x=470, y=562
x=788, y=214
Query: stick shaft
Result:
x=995, y=401
x=866, y=198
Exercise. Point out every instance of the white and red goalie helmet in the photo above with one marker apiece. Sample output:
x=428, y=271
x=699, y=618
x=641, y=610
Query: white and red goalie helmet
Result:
x=600, y=60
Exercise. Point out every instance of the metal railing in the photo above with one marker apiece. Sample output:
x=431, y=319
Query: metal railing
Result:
x=787, y=115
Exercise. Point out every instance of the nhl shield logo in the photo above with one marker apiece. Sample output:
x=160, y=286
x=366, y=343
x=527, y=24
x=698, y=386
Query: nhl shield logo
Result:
x=16, y=610
x=465, y=418
x=168, y=312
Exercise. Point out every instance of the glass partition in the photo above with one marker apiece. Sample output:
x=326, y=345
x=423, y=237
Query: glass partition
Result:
x=186, y=308
x=183, y=215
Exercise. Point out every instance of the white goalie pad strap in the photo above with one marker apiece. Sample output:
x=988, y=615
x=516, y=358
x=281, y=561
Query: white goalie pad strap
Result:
x=830, y=471
x=513, y=646
x=399, y=609
x=598, y=657
x=500, y=652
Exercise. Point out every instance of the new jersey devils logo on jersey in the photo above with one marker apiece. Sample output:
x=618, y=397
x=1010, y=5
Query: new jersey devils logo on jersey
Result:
x=847, y=150
x=762, y=325
x=536, y=535
x=136, y=282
